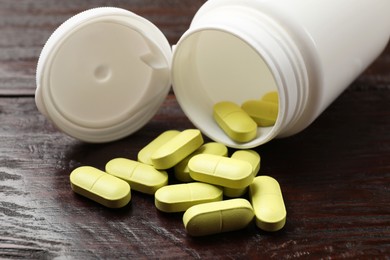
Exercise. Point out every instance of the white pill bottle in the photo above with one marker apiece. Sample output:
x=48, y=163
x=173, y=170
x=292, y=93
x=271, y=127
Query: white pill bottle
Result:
x=309, y=51
x=104, y=73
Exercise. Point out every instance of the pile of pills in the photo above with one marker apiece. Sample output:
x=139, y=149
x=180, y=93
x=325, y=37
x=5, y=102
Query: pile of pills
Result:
x=240, y=123
x=207, y=175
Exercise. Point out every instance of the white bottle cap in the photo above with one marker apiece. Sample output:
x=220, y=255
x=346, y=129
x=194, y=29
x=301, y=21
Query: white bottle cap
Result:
x=103, y=74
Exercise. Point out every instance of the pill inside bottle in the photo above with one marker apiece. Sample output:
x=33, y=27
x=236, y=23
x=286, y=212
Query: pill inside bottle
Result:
x=225, y=69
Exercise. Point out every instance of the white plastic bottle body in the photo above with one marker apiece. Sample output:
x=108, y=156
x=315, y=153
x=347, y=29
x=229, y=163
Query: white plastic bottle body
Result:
x=309, y=51
x=342, y=38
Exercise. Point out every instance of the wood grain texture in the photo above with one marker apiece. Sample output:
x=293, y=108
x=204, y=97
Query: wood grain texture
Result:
x=335, y=175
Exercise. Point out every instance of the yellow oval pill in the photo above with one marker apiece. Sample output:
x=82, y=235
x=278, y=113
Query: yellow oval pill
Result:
x=268, y=204
x=144, y=155
x=182, y=172
x=262, y=112
x=272, y=96
x=219, y=170
x=217, y=217
x=176, y=149
x=234, y=193
x=100, y=187
x=251, y=157
x=141, y=177
x=179, y=197
x=234, y=121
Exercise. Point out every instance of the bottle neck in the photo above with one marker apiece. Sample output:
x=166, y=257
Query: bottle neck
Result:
x=272, y=57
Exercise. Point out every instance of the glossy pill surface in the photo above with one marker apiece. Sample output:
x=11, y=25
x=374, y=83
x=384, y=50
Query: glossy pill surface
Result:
x=217, y=217
x=272, y=96
x=141, y=177
x=268, y=204
x=251, y=157
x=100, y=187
x=180, y=197
x=182, y=172
x=237, y=124
x=145, y=154
x=219, y=170
x=177, y=148
x=264, y=113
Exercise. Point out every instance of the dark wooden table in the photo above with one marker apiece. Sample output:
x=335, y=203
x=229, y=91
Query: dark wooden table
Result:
x=335, y=175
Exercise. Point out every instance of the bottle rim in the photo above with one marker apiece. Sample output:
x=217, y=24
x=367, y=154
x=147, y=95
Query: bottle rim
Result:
x=270, y=42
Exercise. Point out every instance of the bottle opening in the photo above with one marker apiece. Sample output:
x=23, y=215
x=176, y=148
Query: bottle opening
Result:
x=212, y=66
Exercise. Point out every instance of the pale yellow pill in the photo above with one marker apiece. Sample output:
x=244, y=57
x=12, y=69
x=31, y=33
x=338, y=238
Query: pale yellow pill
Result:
x=100, y=187
x=253, y=158
x=179, y=197
x=272, y=96
x=217, y=217
x=234, y=193
x=262, y=112
x=141, y=177
x=268, y=204
x=176, y=149
x=144, y=155
x=182, y=172
x=219, y=170
x=234, y=121
x=249, y=156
